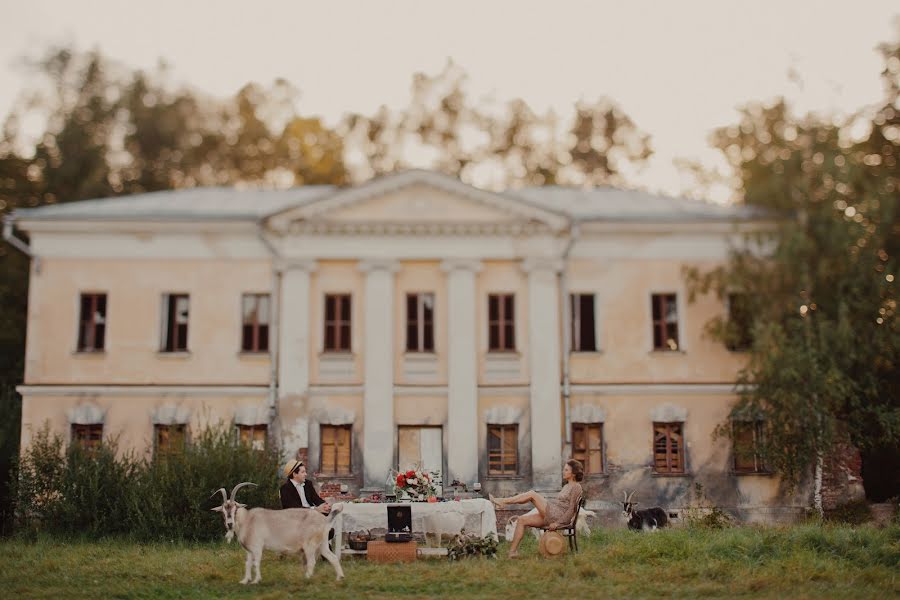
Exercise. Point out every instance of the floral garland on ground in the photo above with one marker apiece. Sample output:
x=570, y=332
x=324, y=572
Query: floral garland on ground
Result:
x=415, y=483
x=469, y=545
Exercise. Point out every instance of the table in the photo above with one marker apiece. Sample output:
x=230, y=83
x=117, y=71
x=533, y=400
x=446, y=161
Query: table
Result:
x=479, y=516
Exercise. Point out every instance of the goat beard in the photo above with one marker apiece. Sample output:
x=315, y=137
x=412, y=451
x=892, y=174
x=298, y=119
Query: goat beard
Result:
x=229, y=536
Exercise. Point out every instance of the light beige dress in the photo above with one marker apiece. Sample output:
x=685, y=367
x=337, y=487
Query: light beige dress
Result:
x=562, y=509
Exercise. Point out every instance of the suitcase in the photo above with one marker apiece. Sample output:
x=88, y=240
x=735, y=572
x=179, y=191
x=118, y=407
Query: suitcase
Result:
x=385, y=552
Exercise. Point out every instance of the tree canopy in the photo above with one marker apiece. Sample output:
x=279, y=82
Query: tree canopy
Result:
x=825, y=360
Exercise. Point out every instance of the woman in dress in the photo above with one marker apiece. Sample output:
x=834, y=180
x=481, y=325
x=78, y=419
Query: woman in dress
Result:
x=551, y=515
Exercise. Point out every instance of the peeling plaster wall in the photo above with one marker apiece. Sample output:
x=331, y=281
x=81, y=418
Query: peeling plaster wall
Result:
x=505, y=410
x=130, y=419
x=628, y=452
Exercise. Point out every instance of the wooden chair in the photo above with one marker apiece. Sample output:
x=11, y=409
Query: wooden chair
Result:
x=570, y=531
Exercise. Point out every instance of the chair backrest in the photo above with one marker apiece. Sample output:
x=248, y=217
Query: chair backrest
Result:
x=581, y=502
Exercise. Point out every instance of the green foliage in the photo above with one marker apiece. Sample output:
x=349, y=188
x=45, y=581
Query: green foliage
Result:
x=10, y=425
x=851, y=513
x=464, y=545
x=701, y=513
x=821, y=285
x=101, y=492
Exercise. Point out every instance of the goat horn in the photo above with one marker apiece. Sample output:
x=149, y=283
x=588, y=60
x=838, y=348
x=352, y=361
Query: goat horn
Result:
x=631, y=495
x=239, y=486
x=625, y=496
x=224, y=494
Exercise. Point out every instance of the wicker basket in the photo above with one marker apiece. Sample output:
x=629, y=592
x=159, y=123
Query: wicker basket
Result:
x=358, y=545
x=386, y=552
x=358, y=540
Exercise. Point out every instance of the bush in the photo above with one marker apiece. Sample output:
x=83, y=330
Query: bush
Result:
x=703, y=514
x=102, y=492
x=851, y=513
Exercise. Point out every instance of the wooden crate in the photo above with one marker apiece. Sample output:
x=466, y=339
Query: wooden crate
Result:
x=390, y=552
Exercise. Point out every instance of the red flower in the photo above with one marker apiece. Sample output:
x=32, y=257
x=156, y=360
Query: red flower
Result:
x=401, y=480
x=410, y=474
x=432, y=499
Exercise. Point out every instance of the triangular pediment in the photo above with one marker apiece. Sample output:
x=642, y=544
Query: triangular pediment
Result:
x=417, y=199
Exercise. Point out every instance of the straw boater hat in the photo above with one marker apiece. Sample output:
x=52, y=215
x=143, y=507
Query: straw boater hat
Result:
x=552, y=544
x=291, y=466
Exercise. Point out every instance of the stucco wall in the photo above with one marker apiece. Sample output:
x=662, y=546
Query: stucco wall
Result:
x=134, y=291
x=628, y=458
x=623, y=290
x=129, y=418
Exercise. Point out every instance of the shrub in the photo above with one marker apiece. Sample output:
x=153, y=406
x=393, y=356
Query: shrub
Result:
x=703, y=514
x=102, y=492
x=851, y=513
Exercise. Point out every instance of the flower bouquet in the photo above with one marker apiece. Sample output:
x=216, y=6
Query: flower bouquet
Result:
x=416, y=484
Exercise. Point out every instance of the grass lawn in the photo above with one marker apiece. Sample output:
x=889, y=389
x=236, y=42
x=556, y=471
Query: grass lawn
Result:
x=798, y=562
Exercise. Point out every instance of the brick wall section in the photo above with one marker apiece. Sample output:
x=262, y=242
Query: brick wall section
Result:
x=504, y=515
x=332, y=490
x=842, y=476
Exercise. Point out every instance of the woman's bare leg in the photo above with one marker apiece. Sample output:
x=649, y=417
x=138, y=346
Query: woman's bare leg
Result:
x=521, y=524
x=532, y=496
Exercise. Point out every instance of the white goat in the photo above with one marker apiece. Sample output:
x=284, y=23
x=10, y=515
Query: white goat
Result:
x=289, y=531
x=581, y=525
x=440, y=524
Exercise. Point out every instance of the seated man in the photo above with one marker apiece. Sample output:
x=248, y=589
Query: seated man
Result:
x=297, y=492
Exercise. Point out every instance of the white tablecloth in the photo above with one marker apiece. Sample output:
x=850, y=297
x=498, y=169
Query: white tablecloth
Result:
x=478, y=512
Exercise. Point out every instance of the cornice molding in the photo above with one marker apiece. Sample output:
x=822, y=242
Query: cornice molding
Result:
x=429, y=228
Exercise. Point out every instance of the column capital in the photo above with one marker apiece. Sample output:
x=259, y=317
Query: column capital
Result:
x=461, y=264
x=534, y=264
x=370, y=265
x=283, y=265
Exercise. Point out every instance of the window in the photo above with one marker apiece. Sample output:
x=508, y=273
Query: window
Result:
x=665, y=322
x=170, y=439
x=88, y=437
x=255, y=329
x=335, y=443
x=253, y=436
x=420, y=322
x=668, y=448
x=337, y=323
x=503, y=449
x=587, y=446
x=420, y=447
x=740, y=319
x=583, y=333
x=747, y=437
x=175, y=309
x=92, y=323
x=501, y=322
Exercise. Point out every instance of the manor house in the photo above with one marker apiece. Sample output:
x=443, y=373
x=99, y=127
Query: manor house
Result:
x=410, y=320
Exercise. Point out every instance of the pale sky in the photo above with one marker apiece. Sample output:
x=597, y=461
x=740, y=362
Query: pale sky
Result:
x=679, y=69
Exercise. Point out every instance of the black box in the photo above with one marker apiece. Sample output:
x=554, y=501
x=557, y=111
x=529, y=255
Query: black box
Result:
x=399, y=523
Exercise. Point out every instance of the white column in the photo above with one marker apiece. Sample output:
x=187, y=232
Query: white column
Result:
x=378, y=378
x=544, y=361
x=292, y=339
x=293, y=334
x=462, y=377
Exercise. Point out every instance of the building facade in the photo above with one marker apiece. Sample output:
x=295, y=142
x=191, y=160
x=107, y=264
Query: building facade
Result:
x=410, y=320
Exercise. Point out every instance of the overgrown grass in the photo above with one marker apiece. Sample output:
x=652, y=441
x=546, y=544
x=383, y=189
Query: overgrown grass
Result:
x=798, y=562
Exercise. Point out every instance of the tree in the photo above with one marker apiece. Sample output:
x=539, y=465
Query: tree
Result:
x=507, y=145
x=825, y=362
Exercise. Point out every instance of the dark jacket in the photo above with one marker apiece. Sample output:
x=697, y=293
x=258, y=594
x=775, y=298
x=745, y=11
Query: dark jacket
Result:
x=290, y=497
